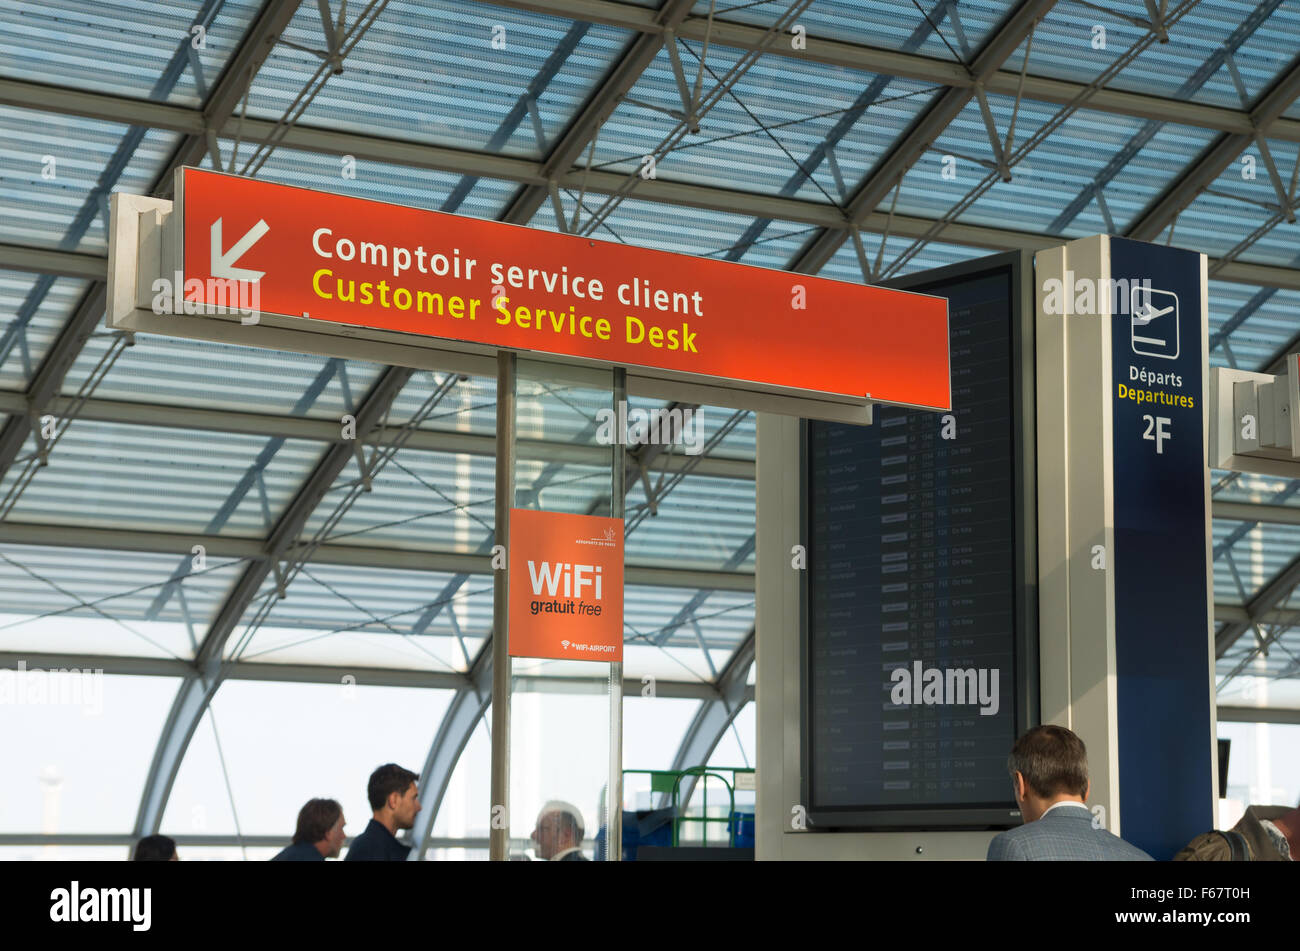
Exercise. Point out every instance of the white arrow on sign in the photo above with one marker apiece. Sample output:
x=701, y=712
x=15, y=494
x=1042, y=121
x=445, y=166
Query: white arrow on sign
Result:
x=223, y=264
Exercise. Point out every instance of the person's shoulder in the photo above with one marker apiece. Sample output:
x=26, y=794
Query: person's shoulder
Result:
x=1206, y=847
x=362, y=848
x=1008, y=845
x=1122, y=851
x=298, y=852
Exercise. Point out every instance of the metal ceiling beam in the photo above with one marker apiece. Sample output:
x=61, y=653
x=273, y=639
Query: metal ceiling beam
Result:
x=1212, y=65
x=660, y=191
x=325, y=430
x=197, y=690
x=54, y=369
x=130, y=666
x=909, y=147
x=90, y=267
x=1235, y=612
x=187, y=120
x=1277, y=362
x=597, y=109
x=225, y=94
x=358, y=556
x=825, y=149
x=1273, y=594
x=1258, y=512
x=1207, y=167
x=467, y=707
x=711, y=198
x=232, y=86
x=870, y=59
x=714, y=716
x=1257, y=715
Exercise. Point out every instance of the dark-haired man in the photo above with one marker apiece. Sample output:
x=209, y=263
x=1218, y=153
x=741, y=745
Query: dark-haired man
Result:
x=1049, y=769
x=155, y=848
x=396, y=801
x=319, y=835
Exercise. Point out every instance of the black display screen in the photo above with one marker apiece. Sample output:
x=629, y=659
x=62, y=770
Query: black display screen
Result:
x=914, y=600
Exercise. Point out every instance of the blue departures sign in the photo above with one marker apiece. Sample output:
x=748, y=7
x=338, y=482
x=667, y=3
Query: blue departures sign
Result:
x=1162, y=639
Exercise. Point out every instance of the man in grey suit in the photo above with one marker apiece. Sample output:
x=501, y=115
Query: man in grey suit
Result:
x=1049, y=768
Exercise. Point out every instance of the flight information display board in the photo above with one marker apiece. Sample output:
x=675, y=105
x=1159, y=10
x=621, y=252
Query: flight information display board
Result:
x=917, y=675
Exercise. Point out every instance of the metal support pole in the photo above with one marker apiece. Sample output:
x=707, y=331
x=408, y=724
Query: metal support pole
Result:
x=614, y=805
x=499, y=825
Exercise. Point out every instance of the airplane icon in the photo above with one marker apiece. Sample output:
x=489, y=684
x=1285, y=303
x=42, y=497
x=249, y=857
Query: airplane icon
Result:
x=1150, y=313
x=1154, y=329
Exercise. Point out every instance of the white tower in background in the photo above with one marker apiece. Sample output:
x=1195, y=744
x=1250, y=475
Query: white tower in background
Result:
x=51, y=793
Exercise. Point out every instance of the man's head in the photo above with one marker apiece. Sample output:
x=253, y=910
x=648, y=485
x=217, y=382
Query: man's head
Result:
x=1049, y=764
x=155, y=848
x=393, y=796
x=320, y=823
x=559, y=827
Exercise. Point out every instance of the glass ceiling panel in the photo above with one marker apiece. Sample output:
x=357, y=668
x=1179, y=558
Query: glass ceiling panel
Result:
x=84, y=601
x=1054, y=174
x=413, y=72
x=770, y=243
x=665, y=617
x=1267, y=680
x=1263, y=320
x=1146, y=175
x=1261, y=489
x=377, y=181
x=283, y=744
x=844, y=266
x=124, y=47
x=77, y=749
x=1064, y=49
x=25, y=342
x=176, y=371
x=1237, y=204
x=739, y=442
x=557, y=410
x=704, y=523
x=470, y=407
x=179, y=480
x=758, y=135
x=886, y=25
x=1259, y=555
x=355, y=618
x=651, y=224
x=560, y=488
x=60, y=170
x=420, y=500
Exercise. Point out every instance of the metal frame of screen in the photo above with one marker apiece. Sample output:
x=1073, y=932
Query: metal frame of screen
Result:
x=1019, y=268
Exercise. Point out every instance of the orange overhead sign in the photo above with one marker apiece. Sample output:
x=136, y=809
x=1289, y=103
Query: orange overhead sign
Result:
x=566, y=586
x=321, y=257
